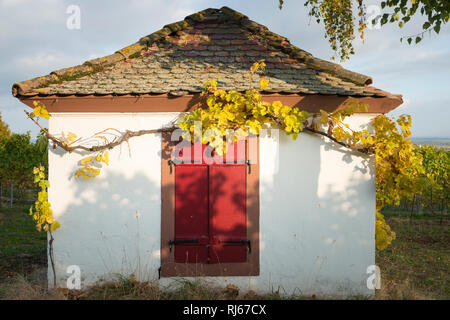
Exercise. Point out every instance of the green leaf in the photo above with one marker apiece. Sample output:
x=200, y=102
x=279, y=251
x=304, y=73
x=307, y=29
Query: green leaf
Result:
x=437, y=28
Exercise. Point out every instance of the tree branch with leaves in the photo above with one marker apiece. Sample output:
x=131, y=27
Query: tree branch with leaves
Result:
x=342, y=19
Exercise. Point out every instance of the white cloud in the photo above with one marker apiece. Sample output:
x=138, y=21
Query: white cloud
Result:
x=429, y=55
x=42, y=63
x=13, y=3
x=40, y=60
x=38, y=42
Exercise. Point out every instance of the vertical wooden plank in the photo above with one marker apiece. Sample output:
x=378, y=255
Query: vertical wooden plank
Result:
x=191, y=202
x=191, y=213
x=228, y=221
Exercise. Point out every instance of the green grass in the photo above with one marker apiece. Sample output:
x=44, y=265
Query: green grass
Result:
x=402, y=213
x=416, y=265
x=22, y=248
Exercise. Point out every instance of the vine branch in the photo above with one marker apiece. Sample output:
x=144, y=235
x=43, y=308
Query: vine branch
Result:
x=362, y=150
x=123, y=138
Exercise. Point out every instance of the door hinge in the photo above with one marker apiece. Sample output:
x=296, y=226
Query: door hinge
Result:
x=159, y=273
x=247, y=242
x=172, y=242
x=170, y=163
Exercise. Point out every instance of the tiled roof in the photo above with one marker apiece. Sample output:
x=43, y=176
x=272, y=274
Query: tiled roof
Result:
x=213, y=43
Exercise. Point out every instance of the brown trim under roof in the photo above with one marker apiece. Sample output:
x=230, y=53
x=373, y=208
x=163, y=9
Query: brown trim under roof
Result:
x=167, y=103
x=169, y=268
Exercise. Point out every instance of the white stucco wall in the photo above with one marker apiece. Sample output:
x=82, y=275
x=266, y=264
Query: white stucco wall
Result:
x=317, y=218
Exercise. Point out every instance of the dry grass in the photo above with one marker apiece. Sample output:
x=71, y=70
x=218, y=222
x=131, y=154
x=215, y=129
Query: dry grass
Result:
x=19, y=288
x=130, y=289
x=404, y=290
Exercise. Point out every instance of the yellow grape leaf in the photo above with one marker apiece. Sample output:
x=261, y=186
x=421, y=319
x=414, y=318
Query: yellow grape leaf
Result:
x=262, y=64
x=40, y=111
x=263, y=83
x=55, y=225
x=254, y=67
x=323, y=117
x=316, y=126
x=211, y=84
x=86, y=160
x=71, y=137
x=80, y=172
x=37, y=111
x=103, y=157
x=93, y=172
x=106, y=158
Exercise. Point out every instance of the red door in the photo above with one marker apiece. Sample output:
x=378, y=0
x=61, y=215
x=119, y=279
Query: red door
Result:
x=210, y=213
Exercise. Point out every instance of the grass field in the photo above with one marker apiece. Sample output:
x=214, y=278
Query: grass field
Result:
x=415, y=266
x=22, y=248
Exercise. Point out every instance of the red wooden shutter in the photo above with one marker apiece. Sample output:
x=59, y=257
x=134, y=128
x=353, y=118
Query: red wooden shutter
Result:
x=191, y=213
x=236, y=153
x=227, y=213
x=210, y=211
x=205, y=154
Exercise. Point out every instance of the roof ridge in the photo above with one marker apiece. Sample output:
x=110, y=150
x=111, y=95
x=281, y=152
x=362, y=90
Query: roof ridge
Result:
x=134, y=50
x=283, y=44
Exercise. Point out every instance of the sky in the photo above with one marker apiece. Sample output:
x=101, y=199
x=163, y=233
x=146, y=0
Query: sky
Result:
x=35, y=40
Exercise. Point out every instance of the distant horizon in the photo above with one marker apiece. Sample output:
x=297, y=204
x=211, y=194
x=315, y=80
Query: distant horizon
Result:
x=431, y=138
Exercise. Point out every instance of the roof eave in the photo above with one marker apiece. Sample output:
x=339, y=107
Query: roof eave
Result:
x=168, y=103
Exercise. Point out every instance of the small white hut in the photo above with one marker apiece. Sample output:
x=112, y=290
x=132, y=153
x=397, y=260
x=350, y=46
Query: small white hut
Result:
x=298, y=218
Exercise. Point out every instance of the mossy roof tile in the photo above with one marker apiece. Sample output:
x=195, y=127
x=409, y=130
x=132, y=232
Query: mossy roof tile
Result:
x=213, y=43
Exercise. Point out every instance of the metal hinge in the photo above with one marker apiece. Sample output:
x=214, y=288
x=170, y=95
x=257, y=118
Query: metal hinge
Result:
x=247, y=242
x=159, y=273
x=249, y=166
x=170, y=163
x=172, y=242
